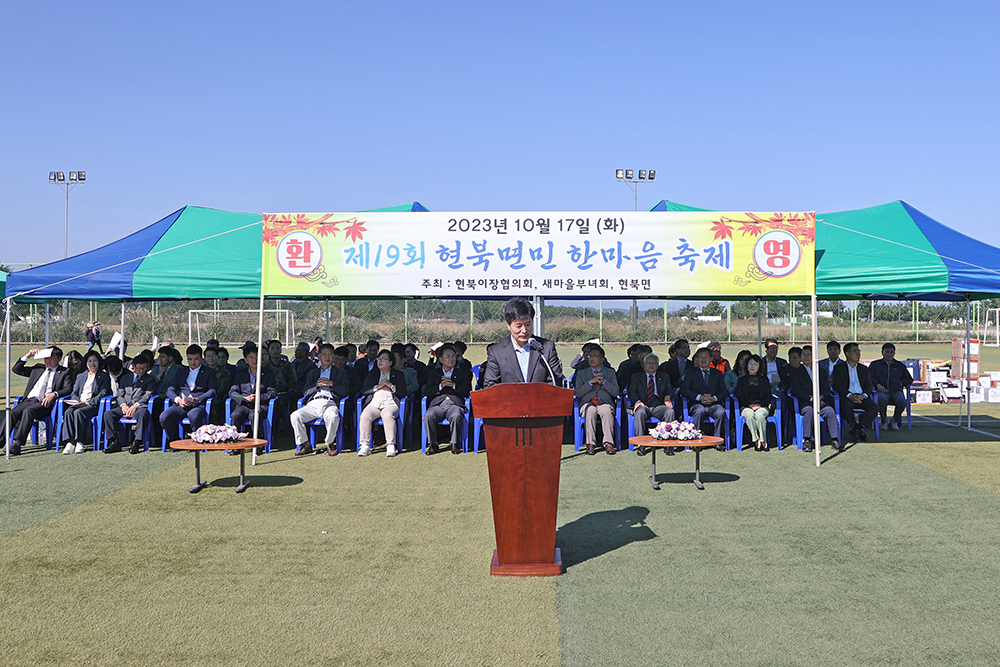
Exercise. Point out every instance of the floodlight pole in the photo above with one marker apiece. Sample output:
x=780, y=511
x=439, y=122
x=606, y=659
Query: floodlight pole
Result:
x=635, y=183
x=66, y=186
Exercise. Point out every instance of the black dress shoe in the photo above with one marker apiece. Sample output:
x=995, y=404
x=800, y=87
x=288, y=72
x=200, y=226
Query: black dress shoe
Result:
x=14, y=448
x=456, y=448
x=135, y=448
x=113, y=448
x=721, y=446
x=669, y=451
x=640, y=450
x=591, y=450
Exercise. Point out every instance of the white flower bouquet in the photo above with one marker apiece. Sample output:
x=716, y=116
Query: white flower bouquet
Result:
x=675, y=431
x=210, y=434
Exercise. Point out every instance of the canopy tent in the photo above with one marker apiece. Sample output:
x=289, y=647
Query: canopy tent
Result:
x=894, y=251
x=193, y=253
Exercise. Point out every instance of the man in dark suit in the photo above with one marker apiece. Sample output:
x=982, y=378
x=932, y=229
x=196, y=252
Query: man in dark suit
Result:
x=890, y=378
x=853, y=383
x=705, y=389
x=521, y=357
x=826, y=365
x=651, y=395
x=47, y=383
x=772, y=363
x=364, y=365
x=679, y=365
x=324, y=387
x=188, y=393
x=448, y=385
x=135, y=388
x=798, y=377
x=244, y=389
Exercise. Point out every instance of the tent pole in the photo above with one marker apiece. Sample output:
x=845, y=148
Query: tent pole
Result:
x=817, y=434
x=327, y=339
x=968, y=364
x=260, y=353
x=46, y=324
x=6, y=331
x=121, y=348
x=760, y=342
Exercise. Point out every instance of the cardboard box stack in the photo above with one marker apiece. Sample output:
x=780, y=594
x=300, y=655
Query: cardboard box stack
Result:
x=958, y=357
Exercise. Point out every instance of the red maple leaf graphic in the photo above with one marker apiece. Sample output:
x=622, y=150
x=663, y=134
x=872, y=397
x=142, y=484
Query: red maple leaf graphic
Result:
x=329, y=229
x=269, y=219
x=721, y=229
x=272, y=236
x=807, y=236
x=355, y=231
x=751, y=227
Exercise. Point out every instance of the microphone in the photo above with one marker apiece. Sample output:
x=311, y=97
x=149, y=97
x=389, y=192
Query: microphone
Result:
x=535, y=345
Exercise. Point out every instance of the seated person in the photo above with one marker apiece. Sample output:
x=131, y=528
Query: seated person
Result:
x=414, y=363
x=244, y=391
x=74, y=362
x=705, y=389
x=412, y=383
x=113, y=365
x=596, y=387
x=651, y=395
x=753, y=392
x=381, y=393
x=447, y=388
x=302, y=364
x=461, y=361
x=47, y=383
x=719, y=362
x=738, y=370
x=223, y=381
x=772, y=363
x=679, y=364
x=224, y=362
x=187, y=395
x=633, y=365
x=890, y=377
x=135, y=388
x=582, y=359
x=340, y=357
x=799, y=379
x=852, y=382
x=84, y=403
x=324, y=387
x=366, y=364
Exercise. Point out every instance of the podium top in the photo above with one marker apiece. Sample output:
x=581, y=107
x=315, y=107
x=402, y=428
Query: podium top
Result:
x=518, y=400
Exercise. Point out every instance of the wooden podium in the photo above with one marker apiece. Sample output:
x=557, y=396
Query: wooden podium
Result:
x=523, y=430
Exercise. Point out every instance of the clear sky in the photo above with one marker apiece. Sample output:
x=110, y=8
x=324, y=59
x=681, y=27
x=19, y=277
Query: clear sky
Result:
x=332, y=106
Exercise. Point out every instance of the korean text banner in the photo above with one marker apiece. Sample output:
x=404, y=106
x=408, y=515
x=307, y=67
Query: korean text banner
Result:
x=612, y=254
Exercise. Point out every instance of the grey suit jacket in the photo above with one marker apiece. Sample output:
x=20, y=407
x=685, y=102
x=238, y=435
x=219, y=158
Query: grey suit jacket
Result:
x=607, y=393
x=501, y=363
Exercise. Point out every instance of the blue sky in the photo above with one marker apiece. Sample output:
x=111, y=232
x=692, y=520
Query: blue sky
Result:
x=326, y=106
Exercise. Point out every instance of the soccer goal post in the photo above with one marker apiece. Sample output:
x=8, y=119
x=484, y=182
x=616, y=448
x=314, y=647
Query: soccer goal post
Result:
x=235, y=327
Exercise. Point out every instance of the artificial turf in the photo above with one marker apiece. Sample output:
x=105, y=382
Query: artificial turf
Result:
x=886, y=554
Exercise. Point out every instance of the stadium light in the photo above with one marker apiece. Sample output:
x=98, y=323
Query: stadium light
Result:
x=59, y=178
x=644, y=176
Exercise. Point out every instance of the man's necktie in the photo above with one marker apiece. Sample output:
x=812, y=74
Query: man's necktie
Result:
x=650, y=390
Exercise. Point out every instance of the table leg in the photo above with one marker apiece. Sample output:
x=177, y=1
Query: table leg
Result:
x=243, y=482
x=652, y=478
x=198, y=484
x=697, y=469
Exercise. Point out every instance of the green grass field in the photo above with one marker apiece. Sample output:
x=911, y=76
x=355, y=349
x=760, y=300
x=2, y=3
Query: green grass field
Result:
x=885, y=554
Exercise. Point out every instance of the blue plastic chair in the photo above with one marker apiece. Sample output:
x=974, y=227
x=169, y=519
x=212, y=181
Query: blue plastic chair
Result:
x=875, y=422
x=774, y=418
x=53, y=425
x=126, y=424
x=465, y=425
x=707, y=418
x=266, y=423
x=399, y=425
x=316, y=424
x=185, y=422
x=578, y=424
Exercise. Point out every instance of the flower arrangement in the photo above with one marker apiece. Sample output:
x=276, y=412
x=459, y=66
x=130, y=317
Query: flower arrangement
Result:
x=210, y=433
x=675, y=431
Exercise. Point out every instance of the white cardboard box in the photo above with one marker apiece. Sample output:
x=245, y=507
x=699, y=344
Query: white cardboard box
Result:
x=924, y=396
x=993, y=395
x=935, y=378
x=975, y=398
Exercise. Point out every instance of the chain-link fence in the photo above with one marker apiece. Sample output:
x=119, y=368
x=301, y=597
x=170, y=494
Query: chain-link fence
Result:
x=420, y=321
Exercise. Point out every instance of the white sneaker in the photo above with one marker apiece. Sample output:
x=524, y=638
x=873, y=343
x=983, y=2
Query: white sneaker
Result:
x=79, y=448
x=365, y=450
x=70, y=448
x=390, y=450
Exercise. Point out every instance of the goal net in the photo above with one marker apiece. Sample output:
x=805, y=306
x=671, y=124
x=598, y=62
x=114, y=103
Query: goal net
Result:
x=234, y=327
